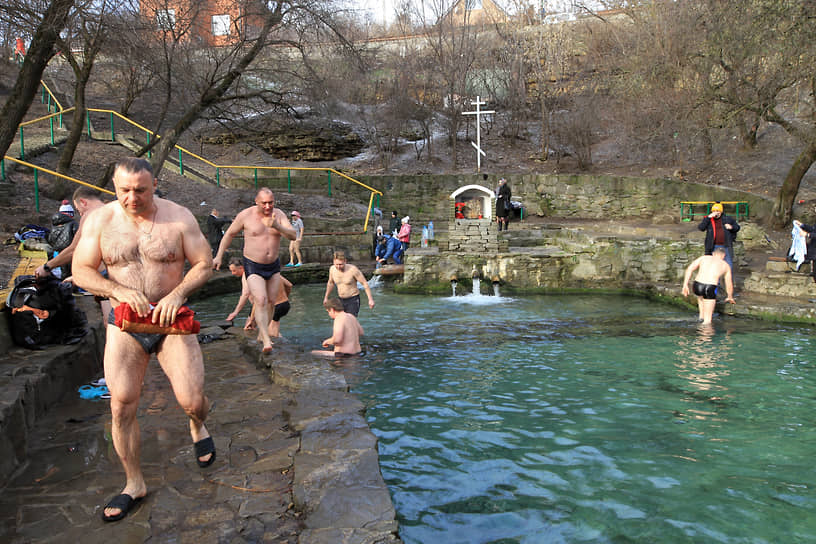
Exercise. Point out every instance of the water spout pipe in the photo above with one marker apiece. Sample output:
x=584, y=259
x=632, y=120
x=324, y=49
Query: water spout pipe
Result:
x=496, y=280
x=475, y=273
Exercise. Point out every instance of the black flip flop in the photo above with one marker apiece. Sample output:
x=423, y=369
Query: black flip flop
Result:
x=124, y=503
x=202, y=448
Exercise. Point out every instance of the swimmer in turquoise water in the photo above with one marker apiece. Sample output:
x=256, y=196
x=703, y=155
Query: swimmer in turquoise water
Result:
x=710, y=269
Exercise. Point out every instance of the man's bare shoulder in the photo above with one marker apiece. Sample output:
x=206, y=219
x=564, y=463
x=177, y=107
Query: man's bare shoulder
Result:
x=174, y=211
x=100, y=216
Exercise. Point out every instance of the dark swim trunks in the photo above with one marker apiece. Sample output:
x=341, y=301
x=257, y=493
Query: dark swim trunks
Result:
x=281, y=310
x=705, y=290
x=149, y=342
x=351, y=305
x=341, y=355
x=264, y=270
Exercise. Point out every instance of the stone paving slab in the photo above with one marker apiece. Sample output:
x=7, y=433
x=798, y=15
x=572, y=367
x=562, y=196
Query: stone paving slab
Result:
x=248, y=495
x=245, y=496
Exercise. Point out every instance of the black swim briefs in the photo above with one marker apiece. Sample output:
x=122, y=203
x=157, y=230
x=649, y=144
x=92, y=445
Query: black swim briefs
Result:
x=341, y=355
x=351, y=305
x=705, y=290
x=281, y=310
x=264, y=270
x=149, y=341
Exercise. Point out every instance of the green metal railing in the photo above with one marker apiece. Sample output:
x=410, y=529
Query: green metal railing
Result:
x=49, y=99
x=38, y=169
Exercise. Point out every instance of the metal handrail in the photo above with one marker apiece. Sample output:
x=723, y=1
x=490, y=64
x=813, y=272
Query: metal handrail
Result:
x=181, y=149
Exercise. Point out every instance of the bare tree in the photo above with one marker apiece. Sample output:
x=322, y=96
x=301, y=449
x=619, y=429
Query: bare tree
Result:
x=453, y=48
x=756, y=60
x=87, y=35
x=39, y=53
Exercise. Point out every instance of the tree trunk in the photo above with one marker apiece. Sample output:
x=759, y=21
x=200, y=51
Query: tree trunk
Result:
x=25, y=88
x=82, y=73
x=77, y=123
x=545, y=124
x=212, y=95
x=783, y=207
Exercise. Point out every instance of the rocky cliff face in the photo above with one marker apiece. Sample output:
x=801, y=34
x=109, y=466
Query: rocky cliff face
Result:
x=302, y=142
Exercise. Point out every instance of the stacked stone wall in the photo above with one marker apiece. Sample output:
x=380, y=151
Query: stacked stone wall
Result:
x=426, y=198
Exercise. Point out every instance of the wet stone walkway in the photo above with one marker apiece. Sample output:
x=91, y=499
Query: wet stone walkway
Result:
x=245, y=496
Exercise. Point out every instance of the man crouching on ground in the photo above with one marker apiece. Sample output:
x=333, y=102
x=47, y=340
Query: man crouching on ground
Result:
x=710, y=268
x=144, y=241
x=346, y=332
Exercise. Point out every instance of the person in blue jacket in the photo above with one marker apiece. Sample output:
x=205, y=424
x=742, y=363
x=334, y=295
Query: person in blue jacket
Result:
x=389, y=247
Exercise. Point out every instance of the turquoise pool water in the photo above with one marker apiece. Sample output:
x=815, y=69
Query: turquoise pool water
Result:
x=583, y=419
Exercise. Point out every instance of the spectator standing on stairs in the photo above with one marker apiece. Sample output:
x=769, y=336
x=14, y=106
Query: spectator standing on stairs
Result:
x=721, y=231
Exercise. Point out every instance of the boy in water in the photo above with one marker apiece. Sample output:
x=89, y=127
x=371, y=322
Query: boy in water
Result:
x=346, y=332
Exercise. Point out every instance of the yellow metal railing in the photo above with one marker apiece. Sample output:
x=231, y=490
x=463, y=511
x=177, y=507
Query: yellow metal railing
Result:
x=182, y=152
x=38, y=169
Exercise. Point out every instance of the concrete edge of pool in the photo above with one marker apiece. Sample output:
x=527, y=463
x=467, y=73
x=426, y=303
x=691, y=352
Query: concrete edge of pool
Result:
x=338, y=484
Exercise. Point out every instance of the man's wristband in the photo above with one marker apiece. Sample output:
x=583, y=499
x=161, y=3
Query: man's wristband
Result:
x=46, y=267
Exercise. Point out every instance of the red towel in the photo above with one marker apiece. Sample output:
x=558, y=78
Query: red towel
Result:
x=128, y=320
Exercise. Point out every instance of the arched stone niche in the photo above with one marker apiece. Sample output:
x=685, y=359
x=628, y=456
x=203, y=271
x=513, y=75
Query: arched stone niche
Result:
x=474, y=201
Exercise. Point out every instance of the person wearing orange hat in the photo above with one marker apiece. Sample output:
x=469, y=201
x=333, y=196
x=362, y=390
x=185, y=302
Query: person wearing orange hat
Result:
x=294, y=245
x=721, y=231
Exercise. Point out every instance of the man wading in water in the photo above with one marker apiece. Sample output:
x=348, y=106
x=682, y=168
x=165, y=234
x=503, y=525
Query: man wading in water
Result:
x=263, y=224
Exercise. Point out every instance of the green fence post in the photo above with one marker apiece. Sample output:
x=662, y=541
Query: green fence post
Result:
x=181, y=166
x=88, y=118
x=51, y=125
x=149, y=152
x=60, y=120
x=256, y=178
x=113, y=136
x=289, y=181
x=36, y=190
x=218, y=177
x=3, y=169
x=48, y=107
x=329, y=171
x=22, y=144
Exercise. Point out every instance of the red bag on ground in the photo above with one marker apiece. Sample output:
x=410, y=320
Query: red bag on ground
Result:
x=128, y=320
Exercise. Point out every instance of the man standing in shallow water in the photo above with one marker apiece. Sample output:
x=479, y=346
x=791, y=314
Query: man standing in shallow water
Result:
x=710, y=269
x=144, y=242
x=263, y=225
x=346, y=276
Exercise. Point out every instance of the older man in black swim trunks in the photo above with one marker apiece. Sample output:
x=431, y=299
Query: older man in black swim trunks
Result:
x=710, y=269
x=263, y=225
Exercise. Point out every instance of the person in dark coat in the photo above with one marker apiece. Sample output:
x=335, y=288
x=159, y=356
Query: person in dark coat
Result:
x=215, y=229
x=503, y=205
x=394, y=225
x=721, y=231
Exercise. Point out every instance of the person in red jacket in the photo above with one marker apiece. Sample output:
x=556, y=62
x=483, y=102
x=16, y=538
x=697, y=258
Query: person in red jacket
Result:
x=721, y=231
x=404, y=235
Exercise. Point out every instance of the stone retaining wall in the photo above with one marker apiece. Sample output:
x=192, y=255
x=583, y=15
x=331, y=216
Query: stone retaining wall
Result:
x=567, y=258
x=566, y=196
x=32, y=381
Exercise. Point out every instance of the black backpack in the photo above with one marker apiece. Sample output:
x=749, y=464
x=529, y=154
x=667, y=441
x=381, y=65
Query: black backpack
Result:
x=62, y=232
x=43, y=312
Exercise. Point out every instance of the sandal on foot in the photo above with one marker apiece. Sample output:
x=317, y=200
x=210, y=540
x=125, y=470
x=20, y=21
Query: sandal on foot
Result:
x=124, y=503
x=202, y=448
